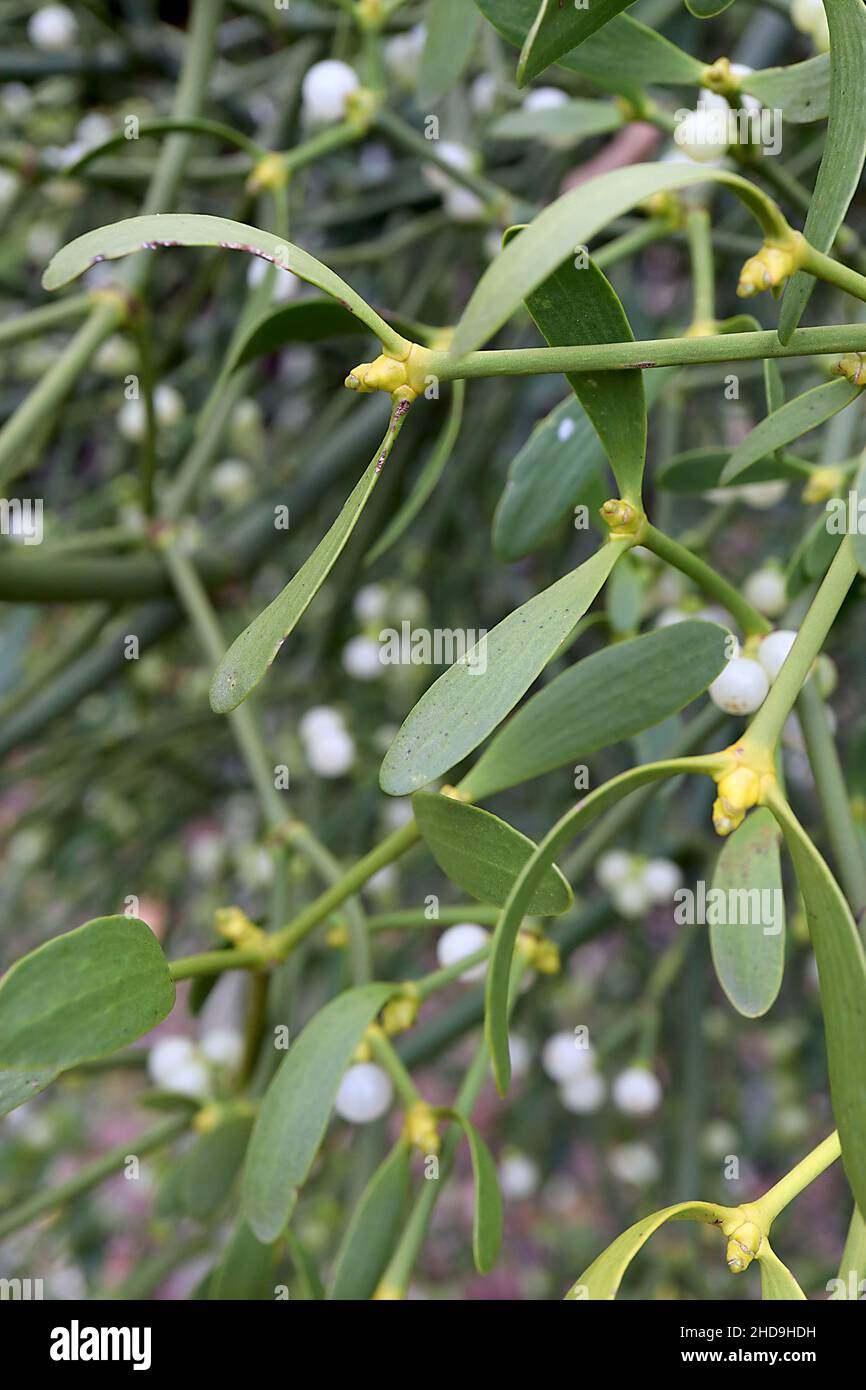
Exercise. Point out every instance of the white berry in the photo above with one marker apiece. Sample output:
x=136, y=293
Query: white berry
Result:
x=461, y=941
x=52, y=28
x=361, y=658
x=636, y=1091
x=326, y=89
x=222, y=1046
x=319, y=719
x=613, y=867
x=370, y=603
x=634, y=1163
x=518, y=1177
x=766, y=591
x=191, y=1079
x=631, y=898
x=583, y=1095
x=166, y=1056
x=773, y=651
x=661, y=878
x=331, y=752
x=703, y=134
x=544, y=99
x=364, y=1094
x=563, y=1057
x=741, y=688
x=518, y=1051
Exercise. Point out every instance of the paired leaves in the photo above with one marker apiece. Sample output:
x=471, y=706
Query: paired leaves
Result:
x=474, y=695
x=372, y=1231
x=83, y=995
x=748, y=943
x=844, y=148
x=484, y=854
x=295, y=1109
x=604, y=1276
x=609, y=696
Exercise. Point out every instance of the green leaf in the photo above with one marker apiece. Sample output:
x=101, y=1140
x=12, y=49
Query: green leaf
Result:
x=844, y=148
x=801, y=91
x=211, y=1164
x=561, y=126
x=601, y=700
x=483, y=854
x=575, y=308
x=303, y=321
x=796, y=418
x=777, y=1282
x=452, y=28
x=624, y=597
x=747, y=933
x=246, y=1270
x=434, y=466
x=623, y=54
x=572, y=220
x=372, y=1232
x=295, y=1109
x=17, y=1087
x=83, y=995
x=698, y=470
x=604, y=1276
x=118, y=239
x=558, y=29
x=251, y=654
x=474, y=695
x=841, y=964
x=858, y=538
x=487, y=1224
x=517, y=906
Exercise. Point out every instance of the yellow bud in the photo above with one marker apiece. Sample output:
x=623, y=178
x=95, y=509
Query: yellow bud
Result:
x=385, y=374
x=399, y=1013
x=743, y=1245
x=337, y=937
x=207, y=1118
x=740, y=789
x=547, y=961
x=823, y=483
x=853, y=367
x=622, y=518
x=772, y=265
x=420, y=1128
x=270, y=172
x=363, y=1052
x=717, y=77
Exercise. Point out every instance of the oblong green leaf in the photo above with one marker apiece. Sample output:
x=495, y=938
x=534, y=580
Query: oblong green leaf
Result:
x=842, y=977
x=17, y=1087
x=558, y=29
x=604, y=1276
x=474, y=695
x=571, y=221
x=372, y=1231
x=801, y=91
x=487, y=1223
x=452, y=28
x=748, y=950
x=83, y=995
x=250, y=655
x=794, y=419
x=517, y=906
x=483, y=854
x=246, y=1270
x=211, y=1164
x=294, y=1112
x=172, y=229
x=577, y=307
x=562, y=126
x=844, y=149
x=777, y=1282
x=609, y=696
x=698, y=470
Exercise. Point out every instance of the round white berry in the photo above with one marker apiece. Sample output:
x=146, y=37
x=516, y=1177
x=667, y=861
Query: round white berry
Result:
x=766, y=591
x=326, y=89
x=518, y=1177
x=703, y=134
x=461, y=941
x=661, y=878
x=166, y=1057
x=370, y=603
x=806, y=15
x=482, y=94
x=613, y=867
x=741, y=688
x=636, y=1091
x=51, y=28
x=583, y=1095
x=364, y=1094
x=361, y=658
x=402, y=55
x=462, y=205
x=544, y=99
x=634, y=1163
x=773, y=651
x=331, y=752
x=631, y=898
x=231, y=480
x=320, y=719
x=564, y=1057
x=518, y=1051
x=761, y=496
x=669, y=617
x=191, y=1079
x=222, y=1046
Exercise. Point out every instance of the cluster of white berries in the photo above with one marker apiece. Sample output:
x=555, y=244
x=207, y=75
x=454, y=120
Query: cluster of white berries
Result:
x=52, y=28
x=810, y=18
x=636, y=1091
x=362, y=655
x=168, y=407
x=325, y=91
x=328, y=745
x=460, y=203
x=743, y=686
x=461, y=941
x=636, y=884
x=704, y=134
x=179, y=1065
x=364, y=1094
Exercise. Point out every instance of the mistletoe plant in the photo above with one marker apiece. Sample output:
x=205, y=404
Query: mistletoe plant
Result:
x=253, y=1141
